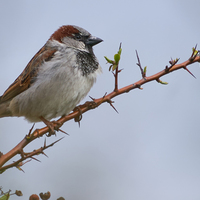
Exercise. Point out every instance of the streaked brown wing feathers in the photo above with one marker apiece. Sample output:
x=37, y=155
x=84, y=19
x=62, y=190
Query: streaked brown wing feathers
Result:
x=25, y=79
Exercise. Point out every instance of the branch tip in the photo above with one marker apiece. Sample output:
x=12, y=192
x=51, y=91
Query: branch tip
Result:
x=120, y=45
x=195, y=52
x=143, y=71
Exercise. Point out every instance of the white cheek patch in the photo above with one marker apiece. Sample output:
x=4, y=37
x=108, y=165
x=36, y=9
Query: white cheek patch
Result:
x=81, y=45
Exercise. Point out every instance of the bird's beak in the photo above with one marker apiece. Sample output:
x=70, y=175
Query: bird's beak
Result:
x=93, y=41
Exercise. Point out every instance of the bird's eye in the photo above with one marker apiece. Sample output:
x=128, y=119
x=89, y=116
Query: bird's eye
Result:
x=78, y=36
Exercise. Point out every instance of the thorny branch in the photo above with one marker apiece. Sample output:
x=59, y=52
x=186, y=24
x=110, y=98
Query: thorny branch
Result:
x=18, y=149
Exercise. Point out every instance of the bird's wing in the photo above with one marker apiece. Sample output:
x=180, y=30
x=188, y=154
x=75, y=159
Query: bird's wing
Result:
x=26, y=78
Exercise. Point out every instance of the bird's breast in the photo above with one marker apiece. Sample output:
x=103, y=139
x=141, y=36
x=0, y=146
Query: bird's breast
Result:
x=58, y=88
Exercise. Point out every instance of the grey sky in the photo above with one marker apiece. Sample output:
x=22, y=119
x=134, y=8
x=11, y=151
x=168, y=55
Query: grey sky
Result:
x=150, y=150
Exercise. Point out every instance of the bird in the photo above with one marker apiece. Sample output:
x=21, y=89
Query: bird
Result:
x=56, y=79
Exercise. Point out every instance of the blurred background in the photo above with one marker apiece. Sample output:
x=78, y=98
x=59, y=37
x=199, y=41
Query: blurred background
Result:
x=150, y=150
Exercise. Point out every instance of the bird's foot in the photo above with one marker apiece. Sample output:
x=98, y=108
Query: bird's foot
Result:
x=80, y=116
x=50, y=125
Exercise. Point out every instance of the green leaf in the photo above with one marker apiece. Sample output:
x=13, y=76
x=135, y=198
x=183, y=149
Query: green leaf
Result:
x=195, y=52
x=5, y=197
x=162, y=82
x=120, y=51
x=114, y=67
x=145, y=70
x=117, y=58
x=108, y=60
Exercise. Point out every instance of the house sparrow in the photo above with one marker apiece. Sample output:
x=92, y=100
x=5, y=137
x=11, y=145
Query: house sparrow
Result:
x=56, y=79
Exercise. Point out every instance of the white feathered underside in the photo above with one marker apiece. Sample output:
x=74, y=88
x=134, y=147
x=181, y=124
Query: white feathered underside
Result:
x=60, y=86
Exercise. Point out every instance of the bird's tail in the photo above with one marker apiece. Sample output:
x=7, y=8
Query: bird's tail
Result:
x=4, y=109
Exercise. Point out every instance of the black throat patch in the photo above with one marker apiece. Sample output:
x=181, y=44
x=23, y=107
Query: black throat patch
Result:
x=86, y=62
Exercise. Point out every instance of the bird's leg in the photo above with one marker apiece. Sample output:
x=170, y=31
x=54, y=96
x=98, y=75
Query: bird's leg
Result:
x=53, y=125
x=57, y=126
x=50, y=125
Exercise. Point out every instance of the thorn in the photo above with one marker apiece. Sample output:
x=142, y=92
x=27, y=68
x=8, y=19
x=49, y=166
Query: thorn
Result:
x=110, y=102
x=63, y=131
x=54, y=143
x=29, y=133
x=58, y=140
x=45, y=142
x=45, y=154
x=120, y=70
x=18, y=166
x=92, y=98
x=34, y=159
x=22, y=170
x=94, y=104
x=104, y=95
x=190, y=72
x=26, y=162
